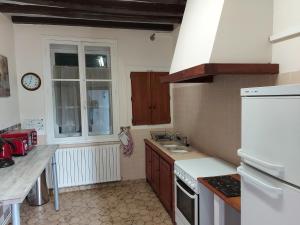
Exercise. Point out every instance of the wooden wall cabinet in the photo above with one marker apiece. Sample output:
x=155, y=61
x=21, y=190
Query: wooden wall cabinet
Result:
x=150, y=98
x=159, y=174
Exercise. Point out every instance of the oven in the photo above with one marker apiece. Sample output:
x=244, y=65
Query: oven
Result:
x=194, y=203
x=187, y=204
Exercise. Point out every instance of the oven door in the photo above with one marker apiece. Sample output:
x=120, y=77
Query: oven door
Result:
x=186, y=200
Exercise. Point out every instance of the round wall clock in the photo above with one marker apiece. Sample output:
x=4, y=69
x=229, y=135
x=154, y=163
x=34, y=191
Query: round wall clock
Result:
x=31, y=81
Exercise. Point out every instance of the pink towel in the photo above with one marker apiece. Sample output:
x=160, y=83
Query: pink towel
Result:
x=126, y=141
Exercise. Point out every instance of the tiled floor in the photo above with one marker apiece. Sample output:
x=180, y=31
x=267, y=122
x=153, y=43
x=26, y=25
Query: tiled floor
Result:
x=128, y=203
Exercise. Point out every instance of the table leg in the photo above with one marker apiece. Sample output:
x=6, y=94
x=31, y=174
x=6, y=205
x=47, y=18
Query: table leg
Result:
x=15, y=214
x=55, y=184
x=219, y=211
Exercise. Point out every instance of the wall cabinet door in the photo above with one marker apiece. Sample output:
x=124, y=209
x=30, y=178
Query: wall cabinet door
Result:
x=140, y=98
x=150, y=98
x=155, y=172
x=165, y=184
x=148, y=164
x=160, y=99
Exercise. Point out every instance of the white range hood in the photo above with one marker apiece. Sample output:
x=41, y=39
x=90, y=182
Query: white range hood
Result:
x=224, y=31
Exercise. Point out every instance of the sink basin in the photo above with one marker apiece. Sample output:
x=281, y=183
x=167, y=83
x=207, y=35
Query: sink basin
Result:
x=171, y=146
x=168, y=143
x=178, y=151
x=174, y=147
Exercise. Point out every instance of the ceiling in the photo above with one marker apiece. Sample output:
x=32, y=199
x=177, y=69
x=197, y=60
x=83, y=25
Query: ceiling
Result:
x=129, y=14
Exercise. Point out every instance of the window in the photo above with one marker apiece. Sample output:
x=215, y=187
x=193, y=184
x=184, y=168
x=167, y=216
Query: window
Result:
x=82, y=91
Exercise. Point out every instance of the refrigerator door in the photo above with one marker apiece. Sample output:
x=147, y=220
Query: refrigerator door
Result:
x=271, y=135
x=266, y=200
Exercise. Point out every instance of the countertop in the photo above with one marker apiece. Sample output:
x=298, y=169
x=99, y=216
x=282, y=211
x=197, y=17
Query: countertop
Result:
x=16, y=181
x=234, y=202
x=191, y=154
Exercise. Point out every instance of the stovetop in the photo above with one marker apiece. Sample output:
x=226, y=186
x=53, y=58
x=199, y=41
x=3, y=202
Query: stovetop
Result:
x=228, y=185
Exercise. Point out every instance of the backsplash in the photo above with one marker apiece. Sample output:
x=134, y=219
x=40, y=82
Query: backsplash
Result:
x=14, y=127
x=210, y=114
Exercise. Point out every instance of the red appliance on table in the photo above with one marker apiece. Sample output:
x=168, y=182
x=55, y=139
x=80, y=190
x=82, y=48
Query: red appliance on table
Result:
x=19, y=146
x=5, y=154
x=29, y=135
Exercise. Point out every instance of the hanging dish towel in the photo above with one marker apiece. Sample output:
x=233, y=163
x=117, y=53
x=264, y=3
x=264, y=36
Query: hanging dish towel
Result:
x=126, y=141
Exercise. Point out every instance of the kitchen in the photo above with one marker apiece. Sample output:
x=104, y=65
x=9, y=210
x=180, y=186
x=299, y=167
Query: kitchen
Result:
x=206, y=109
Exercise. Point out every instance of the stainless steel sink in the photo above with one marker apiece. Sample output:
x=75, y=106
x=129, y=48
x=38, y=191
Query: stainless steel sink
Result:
x=174, y=147
x=171, y=146
x=178, y=151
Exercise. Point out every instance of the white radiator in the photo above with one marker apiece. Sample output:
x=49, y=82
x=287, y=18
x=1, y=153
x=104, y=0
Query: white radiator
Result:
x=88, y=165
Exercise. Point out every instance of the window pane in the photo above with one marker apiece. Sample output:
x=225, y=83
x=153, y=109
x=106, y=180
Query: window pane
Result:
x=97, y=62
x=64, y=61
x=99, y=101
x=67, y=113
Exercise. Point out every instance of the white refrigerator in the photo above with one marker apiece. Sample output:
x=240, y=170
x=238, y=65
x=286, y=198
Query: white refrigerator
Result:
x=270, y=155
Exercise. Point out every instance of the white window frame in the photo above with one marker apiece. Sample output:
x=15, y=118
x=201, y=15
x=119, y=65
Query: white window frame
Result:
x=49, y=107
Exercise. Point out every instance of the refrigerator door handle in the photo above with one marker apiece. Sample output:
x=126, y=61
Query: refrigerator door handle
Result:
x=270, y=190
x=273, y=169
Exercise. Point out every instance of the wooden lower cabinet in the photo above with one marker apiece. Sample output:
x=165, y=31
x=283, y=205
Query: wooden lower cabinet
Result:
x=148, y=164
x=165, y=184
x=159, y=174
x=155, y=172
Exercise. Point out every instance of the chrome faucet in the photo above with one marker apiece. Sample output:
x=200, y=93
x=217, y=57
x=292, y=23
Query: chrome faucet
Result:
x=182, y=139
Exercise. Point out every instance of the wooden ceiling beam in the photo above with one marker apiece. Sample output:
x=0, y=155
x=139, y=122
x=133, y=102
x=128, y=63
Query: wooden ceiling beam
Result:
x=115, y=6
x=81, y=14
x=91, y=23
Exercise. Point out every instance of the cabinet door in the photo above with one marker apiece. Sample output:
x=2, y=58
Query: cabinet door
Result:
x=141, y=101
x=148, y=164
x=165, y=184
x=160, y=99
x=155, y=171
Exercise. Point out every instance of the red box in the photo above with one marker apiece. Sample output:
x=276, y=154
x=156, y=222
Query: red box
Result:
x=19, y=146
x=29, y=135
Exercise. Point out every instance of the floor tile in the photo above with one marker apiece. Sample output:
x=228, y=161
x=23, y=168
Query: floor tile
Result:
x=124, y=203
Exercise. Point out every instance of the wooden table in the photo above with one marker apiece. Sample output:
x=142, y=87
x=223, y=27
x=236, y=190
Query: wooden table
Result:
x=220, y=200
x=16, y=181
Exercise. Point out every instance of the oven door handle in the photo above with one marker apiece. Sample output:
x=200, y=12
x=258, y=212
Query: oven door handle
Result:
x=185, y=192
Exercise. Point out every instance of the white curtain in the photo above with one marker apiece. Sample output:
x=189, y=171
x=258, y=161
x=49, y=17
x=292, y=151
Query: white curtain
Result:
x=68, y=116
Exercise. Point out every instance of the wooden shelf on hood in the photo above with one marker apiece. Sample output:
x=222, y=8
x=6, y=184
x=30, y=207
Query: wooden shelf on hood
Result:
x=205, y=73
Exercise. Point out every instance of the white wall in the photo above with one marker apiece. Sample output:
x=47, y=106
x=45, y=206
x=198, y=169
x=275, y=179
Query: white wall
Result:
x=135, y=52
x=9, y=110
x=286, y=52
